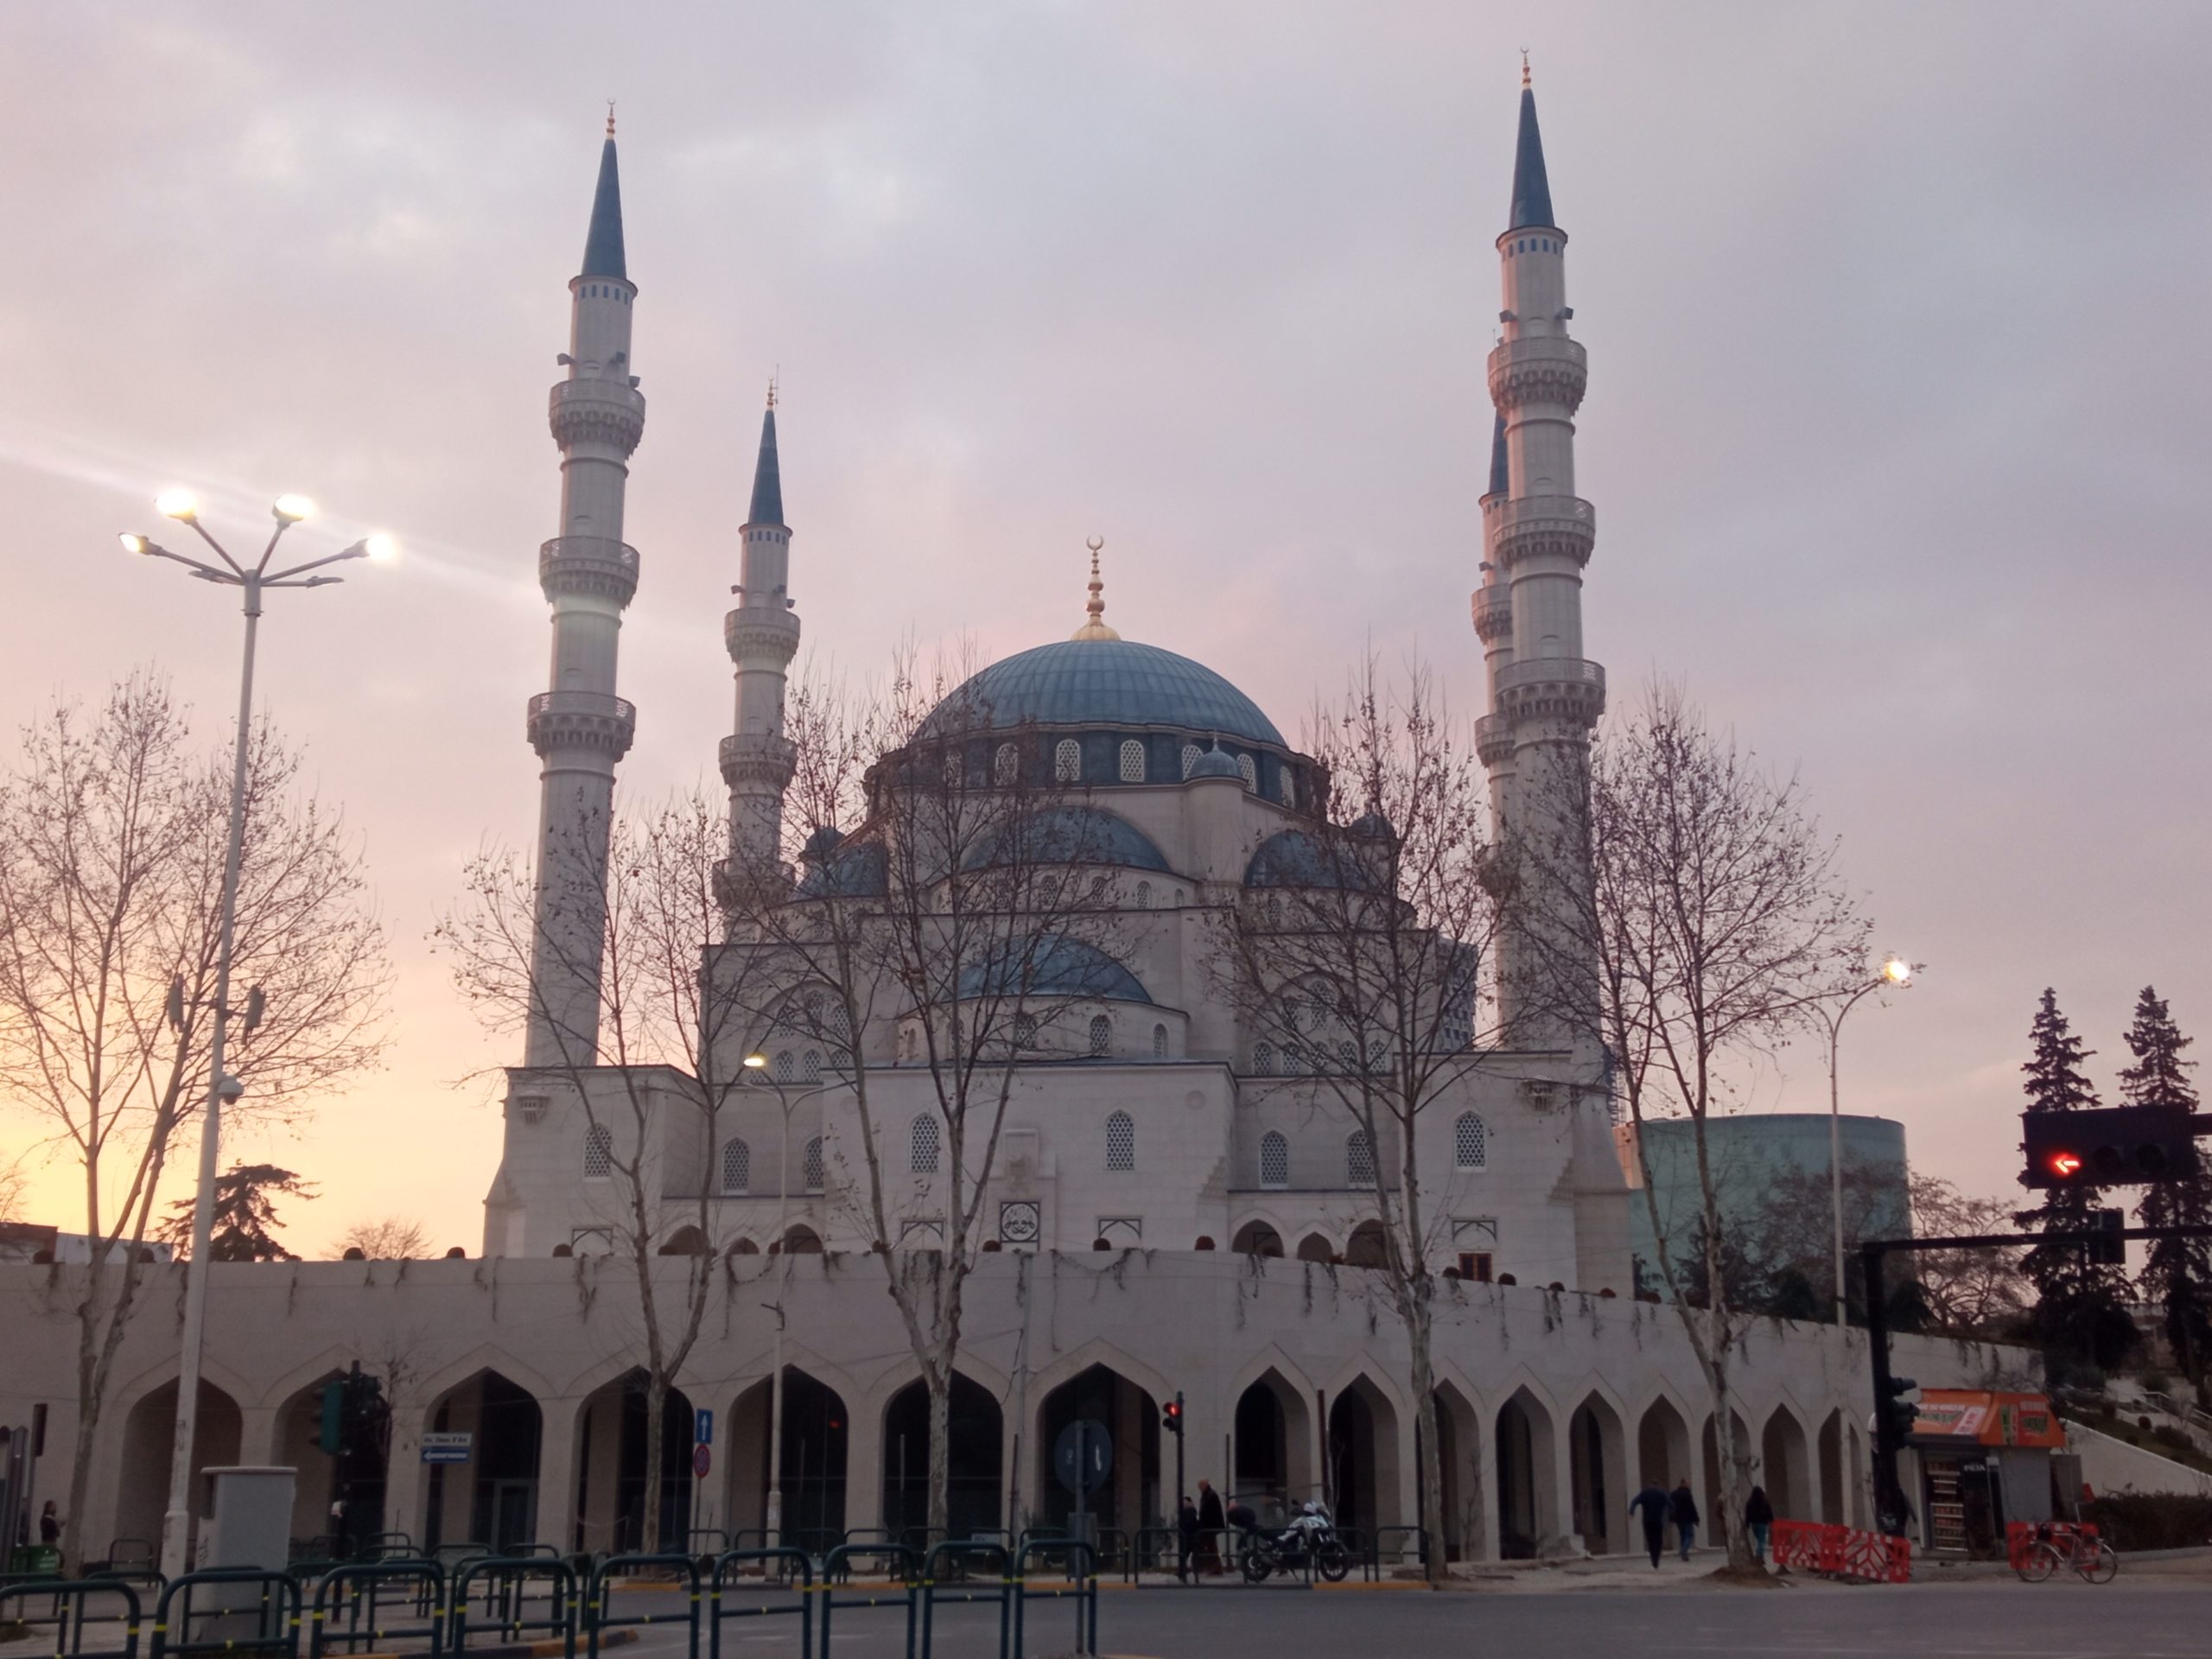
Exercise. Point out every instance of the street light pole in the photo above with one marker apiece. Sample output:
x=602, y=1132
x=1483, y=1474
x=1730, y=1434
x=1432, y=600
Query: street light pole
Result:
x=222, y=1087
x=1896, y=972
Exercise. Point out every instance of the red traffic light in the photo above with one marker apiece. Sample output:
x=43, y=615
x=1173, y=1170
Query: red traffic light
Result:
x=2064, y=1165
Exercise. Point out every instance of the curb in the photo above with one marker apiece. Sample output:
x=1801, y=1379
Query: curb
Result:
x=551, y=1648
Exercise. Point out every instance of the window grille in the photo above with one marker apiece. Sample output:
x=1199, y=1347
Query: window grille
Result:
x=1274, y=1159
x=1293, y=1060
x=922, y=1151
x=1263, y=1059
x=1120, y=1141
x=952, y=770
x=1144, y=895
x=1245, y=765
x=1190, y=753
x=810, y=1165
x=1102, y=1033
x=1025, y=1030
x=1287, y=786
x=1160, y=1042
x=1470, y=1142
x=598, y=1152
x=1006, y=764
x=737, y=1166
x=810, y=1066
x=1132, y=761
x=1067, y=761
x=783, y=1069
x=1359, y=1159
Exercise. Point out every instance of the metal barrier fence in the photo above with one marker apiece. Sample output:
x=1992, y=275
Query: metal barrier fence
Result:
x=1080, y=1584
x=792, y=1567
x=950, y=1562
x=270, y=1601
x=836, y=1569
x=506, y=1582
x=67, y=1616
x=598, y=1620
x=367, y=1595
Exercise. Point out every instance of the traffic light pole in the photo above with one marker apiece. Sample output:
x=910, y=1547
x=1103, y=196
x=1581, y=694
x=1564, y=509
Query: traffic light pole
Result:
x=1889, y=1508
x=1178, y=1453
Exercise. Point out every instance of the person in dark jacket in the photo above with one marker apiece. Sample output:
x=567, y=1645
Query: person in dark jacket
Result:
x=1653, y=1502
x=1212, y=1522
x=49, y=1525
x=1758, y=1516
x=1186, y=1530
x=1682, y=1509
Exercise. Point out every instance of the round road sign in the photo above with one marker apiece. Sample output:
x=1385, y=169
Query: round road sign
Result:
x=703, y=1458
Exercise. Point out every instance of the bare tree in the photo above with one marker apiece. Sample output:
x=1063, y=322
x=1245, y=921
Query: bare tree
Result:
x=652, y=1072
x=1968, y=1292
x=14, y=1181
x=960, y=931
x=1715, y=918
x=387, y=1238
x=111, y=850
x=1358, y=962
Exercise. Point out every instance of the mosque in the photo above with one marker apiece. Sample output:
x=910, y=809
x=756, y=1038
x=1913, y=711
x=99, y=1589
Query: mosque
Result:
x=1172, y=1213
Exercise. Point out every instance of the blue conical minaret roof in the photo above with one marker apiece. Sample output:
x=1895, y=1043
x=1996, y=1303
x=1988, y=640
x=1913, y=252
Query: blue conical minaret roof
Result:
x=1532, y=190
x=603, y=242
x=767, y=478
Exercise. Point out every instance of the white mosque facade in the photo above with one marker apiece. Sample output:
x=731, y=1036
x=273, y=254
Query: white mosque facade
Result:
x=1173, y=1211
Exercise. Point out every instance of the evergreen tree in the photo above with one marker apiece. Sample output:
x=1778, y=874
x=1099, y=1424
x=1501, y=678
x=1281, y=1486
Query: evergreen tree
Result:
x=2080, y=1306
x=245, y=1215
x=2177, y=1273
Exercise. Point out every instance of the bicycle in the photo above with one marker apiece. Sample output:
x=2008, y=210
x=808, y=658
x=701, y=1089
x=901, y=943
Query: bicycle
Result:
x=2092, y=1559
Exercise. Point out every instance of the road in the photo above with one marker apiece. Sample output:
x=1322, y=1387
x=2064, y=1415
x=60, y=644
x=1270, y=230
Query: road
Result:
x=2150, y=1619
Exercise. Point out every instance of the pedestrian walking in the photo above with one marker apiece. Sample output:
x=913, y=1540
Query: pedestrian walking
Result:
x=1653, y=1501
x=1682, y=1509
x=1186, y=1534
x=1758, y=1516
x=49, y=1524
x=1212, y=1522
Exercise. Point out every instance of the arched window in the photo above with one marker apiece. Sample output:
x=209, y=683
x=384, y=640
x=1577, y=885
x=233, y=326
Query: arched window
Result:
x=1190, y=753
x=1067, y=761
x=1132, y=761
x=1470, y=1142
x=1102, y=1033
x=922, y=1145
x=1274, y=1159
x=784, y=1067
x=1263, y=1059
x=810, y=1165
x=955, y=774
x=840, y=1024
x=1287, y=786
x=1120, y=1141
x=1293, y=1060
x=1144, y=895
x=598, y=1152
x=810, y=1066
x=1025, y=1030
x=1359, y=1159
x=1006, y=764
x=1160, y=1042
x=737, y=1166
x=1246, y=765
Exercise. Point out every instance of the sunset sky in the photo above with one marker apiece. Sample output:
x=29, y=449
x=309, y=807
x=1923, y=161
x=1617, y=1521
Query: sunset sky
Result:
x=1897, y=404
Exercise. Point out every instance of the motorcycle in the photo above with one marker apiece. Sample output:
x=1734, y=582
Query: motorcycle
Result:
x=1308, y=1545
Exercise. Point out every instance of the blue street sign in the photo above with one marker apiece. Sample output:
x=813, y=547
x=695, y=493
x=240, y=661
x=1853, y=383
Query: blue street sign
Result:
x=704, y=1434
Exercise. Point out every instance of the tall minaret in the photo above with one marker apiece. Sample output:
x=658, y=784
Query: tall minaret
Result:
x=579, y=727
x=1545, y=696
x=762, y=635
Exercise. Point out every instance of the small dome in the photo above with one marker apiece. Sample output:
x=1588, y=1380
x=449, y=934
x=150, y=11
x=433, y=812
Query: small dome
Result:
x=1056, y=966
x=1373, y=826
x=844, y=869
x=1217, y=763
x=1073, y=835
x=1296, y=858
x=822, y=843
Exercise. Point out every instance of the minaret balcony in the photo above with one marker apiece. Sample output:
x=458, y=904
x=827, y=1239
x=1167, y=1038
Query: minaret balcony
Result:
x=760, y=758
x=1538, y=527
x=760, y=634
x=1565, y=686
x=587, y=564
x=1539, y=368
x=1493, y=740
x=1493, y=611
x=597, y=411
x=582, y=720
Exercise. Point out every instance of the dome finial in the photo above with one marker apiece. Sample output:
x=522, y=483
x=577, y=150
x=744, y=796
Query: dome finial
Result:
x=1095, y=627
x=1524, y=66
x=610, y=117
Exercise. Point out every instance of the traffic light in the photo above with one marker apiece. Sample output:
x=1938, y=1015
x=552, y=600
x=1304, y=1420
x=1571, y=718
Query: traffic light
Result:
x=2107, y=1248
x=1171, y=1415
x=2109, y=1146
x=333, y=1434
x=1900, y=1414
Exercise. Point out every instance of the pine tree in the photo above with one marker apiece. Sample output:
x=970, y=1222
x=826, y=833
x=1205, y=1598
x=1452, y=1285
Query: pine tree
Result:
x=2177, y=1273
x=245, y=1215
x=2080, y=1306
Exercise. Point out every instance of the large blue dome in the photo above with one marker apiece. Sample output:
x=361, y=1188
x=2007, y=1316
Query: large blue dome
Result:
x=1111, y=683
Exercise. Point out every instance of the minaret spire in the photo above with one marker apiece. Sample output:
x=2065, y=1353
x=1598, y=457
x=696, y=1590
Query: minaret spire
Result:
x=578, y=725
x=1532, y=189
x=762, y=637
x=1095, y=627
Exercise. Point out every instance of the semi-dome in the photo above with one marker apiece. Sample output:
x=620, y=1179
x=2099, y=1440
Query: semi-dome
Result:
x=1056, y=966
x=1101, y=682
x=1216, y=763
x=1073, y=835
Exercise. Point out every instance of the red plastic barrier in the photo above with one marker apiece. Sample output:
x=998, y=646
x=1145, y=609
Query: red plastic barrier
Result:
x=1841, y=1552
